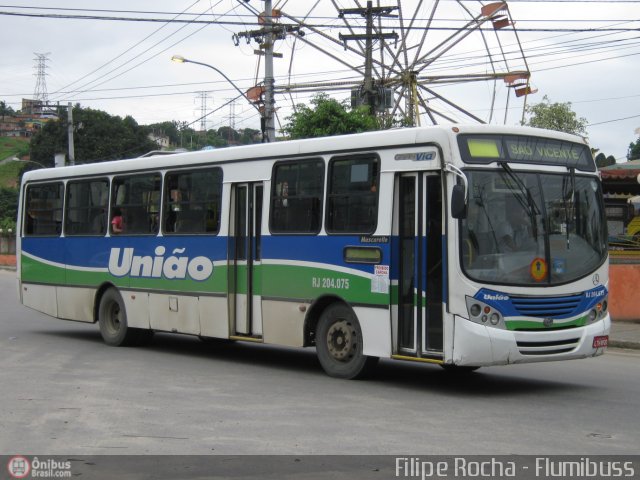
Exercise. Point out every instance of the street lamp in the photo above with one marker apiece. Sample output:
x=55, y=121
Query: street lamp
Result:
x=181, y=59
x=16, y=159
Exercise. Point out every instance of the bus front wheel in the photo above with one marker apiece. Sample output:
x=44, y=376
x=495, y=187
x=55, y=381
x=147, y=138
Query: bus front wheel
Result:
x=112, y=318
x=339, y=344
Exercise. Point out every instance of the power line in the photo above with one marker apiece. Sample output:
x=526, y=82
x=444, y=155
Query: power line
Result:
x=614, y=120
x=120, y=55
x=237, y=23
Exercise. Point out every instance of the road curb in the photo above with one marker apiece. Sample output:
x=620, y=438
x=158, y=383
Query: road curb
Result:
x=624, y=344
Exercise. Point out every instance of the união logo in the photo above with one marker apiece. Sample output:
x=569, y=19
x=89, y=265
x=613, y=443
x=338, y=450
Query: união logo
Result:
x=123, y=262
x=495, y=297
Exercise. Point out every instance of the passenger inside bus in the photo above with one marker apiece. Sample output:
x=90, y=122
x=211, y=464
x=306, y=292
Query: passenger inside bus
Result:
x=117, y=224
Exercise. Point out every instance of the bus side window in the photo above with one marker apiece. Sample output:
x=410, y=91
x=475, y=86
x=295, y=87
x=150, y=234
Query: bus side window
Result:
x=43, y=212
x=192, y=201
x=352, y=198
x=137, y=197
x=296, y=196
x=86, y=207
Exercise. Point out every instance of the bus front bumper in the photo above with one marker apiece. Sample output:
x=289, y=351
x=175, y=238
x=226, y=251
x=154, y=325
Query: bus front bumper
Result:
x=478, y=345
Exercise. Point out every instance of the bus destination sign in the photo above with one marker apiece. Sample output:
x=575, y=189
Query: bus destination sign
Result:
x=525, y=149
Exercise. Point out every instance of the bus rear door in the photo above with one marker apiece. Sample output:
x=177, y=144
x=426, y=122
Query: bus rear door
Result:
x=245, y=254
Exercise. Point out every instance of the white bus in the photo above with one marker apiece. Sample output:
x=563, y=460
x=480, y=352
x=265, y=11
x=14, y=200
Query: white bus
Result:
x=464, y=246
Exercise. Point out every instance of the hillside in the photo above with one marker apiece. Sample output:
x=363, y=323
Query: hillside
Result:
x=9, y=170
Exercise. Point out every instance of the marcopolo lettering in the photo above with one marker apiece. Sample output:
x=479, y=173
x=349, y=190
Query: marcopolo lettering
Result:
x=123, y=262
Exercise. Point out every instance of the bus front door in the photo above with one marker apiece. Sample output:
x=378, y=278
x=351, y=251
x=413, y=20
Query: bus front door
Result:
x=245, y=304
x=418, y=230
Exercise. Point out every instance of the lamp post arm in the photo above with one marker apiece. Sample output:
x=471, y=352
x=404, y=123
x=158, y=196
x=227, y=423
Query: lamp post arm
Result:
x=186, y=60
x=15, y=159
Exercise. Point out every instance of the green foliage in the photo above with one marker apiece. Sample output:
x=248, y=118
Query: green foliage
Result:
x=328, y=117
x=10, y=175
x=634, y=150
x=5, y=110
x=181, y=136
x=555, y=116
x=169, y=129
x=8, y=208
x=98, y=136
x=603, y=161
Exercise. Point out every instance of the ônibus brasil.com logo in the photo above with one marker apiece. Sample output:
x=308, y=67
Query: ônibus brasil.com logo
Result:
x=20, y=467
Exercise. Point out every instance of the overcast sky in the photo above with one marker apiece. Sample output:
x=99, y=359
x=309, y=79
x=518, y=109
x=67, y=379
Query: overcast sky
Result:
x=586, y=53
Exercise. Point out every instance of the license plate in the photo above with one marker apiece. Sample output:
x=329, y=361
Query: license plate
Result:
x=601, y=342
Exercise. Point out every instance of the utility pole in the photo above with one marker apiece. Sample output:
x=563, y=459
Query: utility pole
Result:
x=266, y=37
x=232, y=119
x=269, y=82
x=369, y=95
x=72, y=150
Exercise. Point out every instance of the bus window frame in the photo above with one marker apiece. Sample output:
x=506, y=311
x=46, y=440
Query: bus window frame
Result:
x=165, y=203
x=376, y=187
x=25, y=213
x=113, y=205
x=106, y=207
x=273, y=196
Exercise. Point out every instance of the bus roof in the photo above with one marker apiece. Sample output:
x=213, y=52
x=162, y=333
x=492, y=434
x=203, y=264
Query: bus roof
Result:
x=404, y=137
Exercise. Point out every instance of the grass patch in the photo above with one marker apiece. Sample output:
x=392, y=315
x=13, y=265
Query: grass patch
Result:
x=10, y=171
x=9, y=174
x=12, y=146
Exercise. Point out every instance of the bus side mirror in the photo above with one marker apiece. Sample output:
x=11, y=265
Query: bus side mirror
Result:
x=458, y=205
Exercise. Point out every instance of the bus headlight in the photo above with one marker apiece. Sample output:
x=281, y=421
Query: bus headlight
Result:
x=480, y=312
x=599, y=311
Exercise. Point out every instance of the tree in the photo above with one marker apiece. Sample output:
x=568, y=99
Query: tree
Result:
x=603, y=161
x=555, y=116
x=170, y=128
x=328, y=117
x=98, y=136
x=8, y=208
x=634, y=150
x=4, y=110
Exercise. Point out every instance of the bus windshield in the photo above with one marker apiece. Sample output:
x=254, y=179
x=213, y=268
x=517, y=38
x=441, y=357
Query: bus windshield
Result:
x=532, y=228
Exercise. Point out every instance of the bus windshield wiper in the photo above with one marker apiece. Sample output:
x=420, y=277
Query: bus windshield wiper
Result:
x=565, y=200
x=525, y=199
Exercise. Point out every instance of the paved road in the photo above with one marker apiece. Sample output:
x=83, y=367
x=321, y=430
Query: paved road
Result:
x=65, y=392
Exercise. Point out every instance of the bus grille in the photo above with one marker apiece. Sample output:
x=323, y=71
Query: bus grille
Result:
x=546, y=307
x=548, y=347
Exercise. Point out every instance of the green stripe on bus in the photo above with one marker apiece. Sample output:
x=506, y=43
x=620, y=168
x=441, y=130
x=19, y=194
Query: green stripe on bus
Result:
x=539, y=325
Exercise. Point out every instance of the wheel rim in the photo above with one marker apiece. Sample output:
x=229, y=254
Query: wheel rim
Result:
x=341, y=340
x=113, y=318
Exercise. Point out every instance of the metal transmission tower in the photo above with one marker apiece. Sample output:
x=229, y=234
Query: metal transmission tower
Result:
x=203, y=97
x=266, y=37
x=40, y=94
x=453, y=61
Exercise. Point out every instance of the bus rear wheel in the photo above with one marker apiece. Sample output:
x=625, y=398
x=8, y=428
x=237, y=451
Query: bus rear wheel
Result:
x=339, y=344
x=112, y=318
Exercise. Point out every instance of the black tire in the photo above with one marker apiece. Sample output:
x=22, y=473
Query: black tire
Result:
x=112, y=318
x=339, y=344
